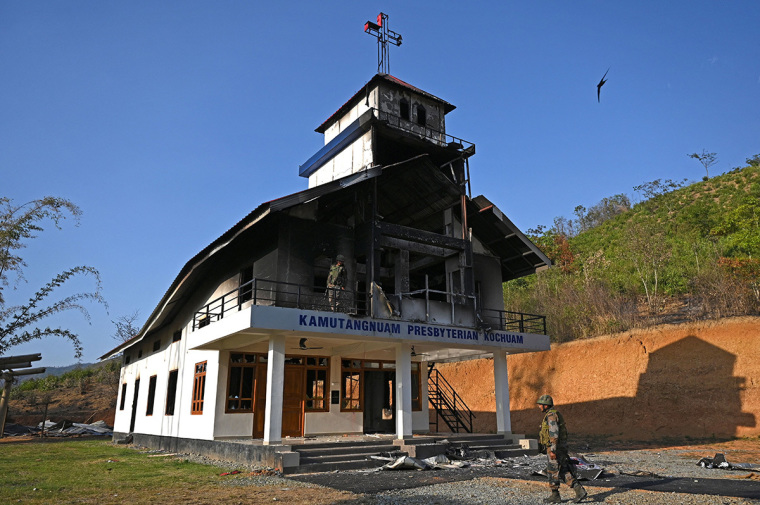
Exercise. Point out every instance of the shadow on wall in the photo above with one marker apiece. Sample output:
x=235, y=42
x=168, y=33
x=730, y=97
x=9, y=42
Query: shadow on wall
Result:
x=687, y=390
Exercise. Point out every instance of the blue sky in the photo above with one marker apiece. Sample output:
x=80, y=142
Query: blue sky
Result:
x=167, y=122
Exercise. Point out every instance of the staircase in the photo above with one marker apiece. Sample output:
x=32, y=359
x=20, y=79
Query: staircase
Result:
x=447, y=403
x=332, y=456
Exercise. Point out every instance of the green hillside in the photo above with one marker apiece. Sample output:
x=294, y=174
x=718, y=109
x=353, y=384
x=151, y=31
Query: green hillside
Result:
x=685, y=252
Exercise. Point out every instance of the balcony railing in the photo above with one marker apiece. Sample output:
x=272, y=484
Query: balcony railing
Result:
x=290, y=295
x=431, y=134
x=515, y=321
x=279, y=294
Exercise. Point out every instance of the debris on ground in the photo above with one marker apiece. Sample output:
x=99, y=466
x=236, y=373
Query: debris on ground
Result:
x=234, y=472
x=719, y=461
x=585, y=469
x=67, y=428
x=406, y=463
x=63, y=428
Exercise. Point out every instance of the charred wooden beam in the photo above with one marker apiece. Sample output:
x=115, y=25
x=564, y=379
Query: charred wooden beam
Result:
x=421, y=236
x=415, y=247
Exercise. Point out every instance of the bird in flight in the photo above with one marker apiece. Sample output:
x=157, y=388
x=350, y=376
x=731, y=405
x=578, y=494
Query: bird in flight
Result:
x=599, y=86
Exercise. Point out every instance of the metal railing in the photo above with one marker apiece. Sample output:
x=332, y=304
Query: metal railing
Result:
x=279, y=294
x=453, y=299
x=291, y=295
x=515, y=321
x=447, y=403
x=436, y=136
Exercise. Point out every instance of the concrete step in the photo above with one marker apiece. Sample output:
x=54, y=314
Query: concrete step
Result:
x=353, y=443
x=331, y=458
x=341, y=456
x=335, y=466
x=308, y=451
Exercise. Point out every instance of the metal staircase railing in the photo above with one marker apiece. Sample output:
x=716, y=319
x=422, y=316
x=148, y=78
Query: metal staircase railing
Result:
x=447, y=403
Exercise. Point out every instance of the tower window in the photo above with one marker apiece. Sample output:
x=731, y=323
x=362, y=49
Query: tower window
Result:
x=404, y=111
x=421, y=115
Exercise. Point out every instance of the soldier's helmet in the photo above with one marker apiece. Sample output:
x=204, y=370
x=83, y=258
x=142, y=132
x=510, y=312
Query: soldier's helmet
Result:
x=340, y=257
x=545, y=400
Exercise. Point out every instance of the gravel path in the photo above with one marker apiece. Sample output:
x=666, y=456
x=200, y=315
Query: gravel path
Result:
x=511, y=482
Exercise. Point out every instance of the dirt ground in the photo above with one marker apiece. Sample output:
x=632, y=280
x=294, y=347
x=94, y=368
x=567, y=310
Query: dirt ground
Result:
x=699, y=380
x=92, y=402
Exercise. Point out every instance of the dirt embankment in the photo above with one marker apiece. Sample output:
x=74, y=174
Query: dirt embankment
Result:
x=91, y=402
x=692, y=380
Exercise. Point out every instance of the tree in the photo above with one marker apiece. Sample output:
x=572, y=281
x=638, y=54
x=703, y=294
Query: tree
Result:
x=648, y=252
x=706, y=159
x=658, y=187
x=754, y=161
x=126, y=328
x=19, y=323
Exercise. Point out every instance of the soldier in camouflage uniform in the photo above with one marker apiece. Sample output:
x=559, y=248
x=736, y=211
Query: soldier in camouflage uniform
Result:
x=336, y=282
x=553, y=441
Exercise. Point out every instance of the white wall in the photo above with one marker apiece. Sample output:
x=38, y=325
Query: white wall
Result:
x=352, y=159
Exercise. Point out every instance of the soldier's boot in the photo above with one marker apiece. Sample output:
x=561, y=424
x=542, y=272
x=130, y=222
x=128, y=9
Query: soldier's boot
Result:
x=580, y=492
x=554, y=497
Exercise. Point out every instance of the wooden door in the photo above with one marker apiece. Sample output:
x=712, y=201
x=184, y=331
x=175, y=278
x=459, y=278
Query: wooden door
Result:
x=259, y=400
x=292, y=402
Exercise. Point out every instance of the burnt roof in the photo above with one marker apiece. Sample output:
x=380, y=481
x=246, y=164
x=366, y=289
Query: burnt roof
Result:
x=410, y=193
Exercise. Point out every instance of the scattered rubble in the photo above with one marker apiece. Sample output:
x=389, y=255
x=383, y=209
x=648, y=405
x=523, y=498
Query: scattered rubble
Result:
x=63, y=428
x=719, y=461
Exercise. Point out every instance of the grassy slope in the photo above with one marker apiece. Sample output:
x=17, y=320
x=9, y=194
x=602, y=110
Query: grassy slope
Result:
x=667, y=253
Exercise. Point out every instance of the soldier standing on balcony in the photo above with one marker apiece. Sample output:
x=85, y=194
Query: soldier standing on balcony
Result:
x=553, y=441
x=336, y=281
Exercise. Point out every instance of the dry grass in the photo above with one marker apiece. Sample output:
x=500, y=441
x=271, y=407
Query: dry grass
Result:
x=87, y=471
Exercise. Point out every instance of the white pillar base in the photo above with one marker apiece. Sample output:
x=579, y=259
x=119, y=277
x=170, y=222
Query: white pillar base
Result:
x=275, y=378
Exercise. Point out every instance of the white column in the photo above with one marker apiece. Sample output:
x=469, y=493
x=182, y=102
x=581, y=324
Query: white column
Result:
x=501, y=391
x=275, y=377
x=403, y=392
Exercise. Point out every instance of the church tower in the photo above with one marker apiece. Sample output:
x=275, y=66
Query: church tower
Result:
x=386, y=122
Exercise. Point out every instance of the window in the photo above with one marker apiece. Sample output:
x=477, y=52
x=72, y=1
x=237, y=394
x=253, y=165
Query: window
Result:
x=245, y=369
x=246, y=285
x=139, y=353
x=317, y=373
x=421, y=115
x=241, y=381
x=199, y=388
x=123, y=396
x=156, y=345
x=404, y=109
x=177, y=336
x=171, y=392
x=151, y=395
x=127, y=359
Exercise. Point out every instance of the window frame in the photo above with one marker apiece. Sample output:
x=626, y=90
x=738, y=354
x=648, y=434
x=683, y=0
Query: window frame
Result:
x=319, y=369
x=151, y=395
x=421, y=115
x=123, y=400
x=405, y=109
x=171, y=392
x=199, y=388
x=259, y=359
